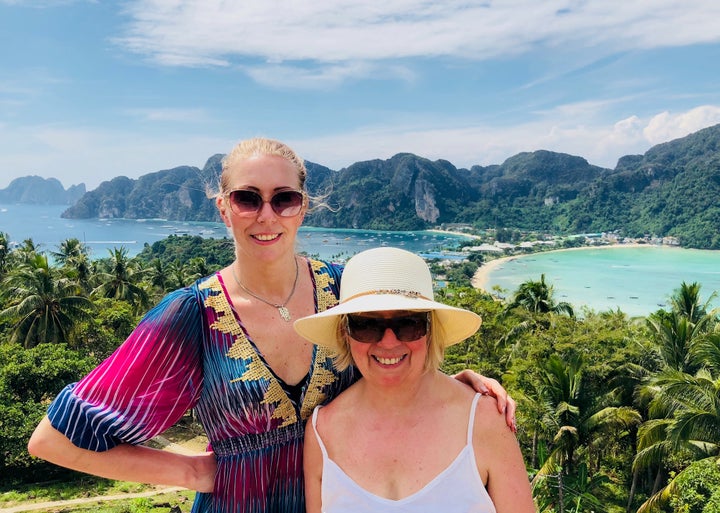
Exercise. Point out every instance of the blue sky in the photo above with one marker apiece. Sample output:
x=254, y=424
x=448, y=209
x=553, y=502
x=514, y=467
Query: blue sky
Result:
x=91, y=90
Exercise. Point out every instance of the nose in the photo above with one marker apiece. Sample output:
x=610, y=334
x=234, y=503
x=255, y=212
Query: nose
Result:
x=389, y=338
x=266, y=212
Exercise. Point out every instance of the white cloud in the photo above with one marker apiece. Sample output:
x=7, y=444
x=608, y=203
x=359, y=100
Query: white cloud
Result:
x=214, y=32
x=88, y=155
x=174, y=115
x=600, y=143
x=92, y=155
x=666, y=126
x=321, y=77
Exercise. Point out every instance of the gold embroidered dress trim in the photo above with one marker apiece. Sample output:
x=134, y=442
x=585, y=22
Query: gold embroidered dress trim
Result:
x=257, y=370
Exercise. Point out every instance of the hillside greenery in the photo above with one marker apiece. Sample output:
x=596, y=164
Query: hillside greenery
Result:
x=616, y=414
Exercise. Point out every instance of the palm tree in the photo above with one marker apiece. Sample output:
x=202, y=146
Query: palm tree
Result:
x=68, y=249
x=176, y=276
x=706, y=352
x=686, y=302
x=121, y=280
x=4, y=252
x=196, y=268
x=73, y=256
x=25, y=251
x=537, y=297
x=687, y=411
x=578, y=426
x=158, y=274
x=44, y=308
x=674, y=334
x=676, y=331
x=683, y=395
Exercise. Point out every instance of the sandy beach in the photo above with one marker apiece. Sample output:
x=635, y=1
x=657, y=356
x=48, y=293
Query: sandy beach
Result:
x=462, y=234
x=480, y=278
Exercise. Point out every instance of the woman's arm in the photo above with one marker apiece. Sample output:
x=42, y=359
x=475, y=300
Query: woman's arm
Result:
x=313, y=466
x=498, y=453
x=493, y=388
x=125, y=462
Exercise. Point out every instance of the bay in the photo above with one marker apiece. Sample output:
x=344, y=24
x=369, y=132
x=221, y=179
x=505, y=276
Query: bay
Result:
x=43, y=224
x=636, y=279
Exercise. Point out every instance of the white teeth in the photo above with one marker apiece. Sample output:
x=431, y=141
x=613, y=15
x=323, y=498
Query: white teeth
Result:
x=265, y=237
x=389, y=361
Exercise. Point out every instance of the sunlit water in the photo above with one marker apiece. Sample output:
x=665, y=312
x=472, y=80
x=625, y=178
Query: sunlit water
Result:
x=46, y=228
x=637, y=280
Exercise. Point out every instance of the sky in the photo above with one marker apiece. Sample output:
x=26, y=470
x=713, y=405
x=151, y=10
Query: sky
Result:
x=91, y=90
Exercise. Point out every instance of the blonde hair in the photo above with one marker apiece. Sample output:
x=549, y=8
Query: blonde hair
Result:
x=435, y=350
x=258, y=146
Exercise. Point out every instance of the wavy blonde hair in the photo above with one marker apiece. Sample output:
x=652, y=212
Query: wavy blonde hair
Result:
x=258, y=146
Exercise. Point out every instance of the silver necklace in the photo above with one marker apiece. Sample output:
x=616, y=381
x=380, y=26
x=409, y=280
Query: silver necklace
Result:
x=281, y=308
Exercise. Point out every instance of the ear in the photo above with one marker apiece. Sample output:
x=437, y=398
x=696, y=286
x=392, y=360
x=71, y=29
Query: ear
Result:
x=224, y=210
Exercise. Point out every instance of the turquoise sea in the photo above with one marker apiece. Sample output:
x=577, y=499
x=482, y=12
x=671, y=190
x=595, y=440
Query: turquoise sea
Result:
x=638, y=280
x=43, y=224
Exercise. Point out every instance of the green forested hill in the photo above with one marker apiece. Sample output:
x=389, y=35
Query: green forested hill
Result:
x=671, y=190
x=177, y=194
x=406, y=192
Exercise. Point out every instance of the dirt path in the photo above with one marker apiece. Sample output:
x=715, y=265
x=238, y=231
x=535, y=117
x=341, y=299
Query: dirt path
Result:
x=191, y=446
x=53, y=505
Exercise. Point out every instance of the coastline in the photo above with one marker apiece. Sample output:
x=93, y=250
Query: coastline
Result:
x=482, y=275
x=461, y=234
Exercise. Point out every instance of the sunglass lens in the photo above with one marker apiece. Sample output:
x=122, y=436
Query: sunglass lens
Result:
x=244, y=202
x=410, y=328
x=284, y=203
x=287, y=203
x=371, y=329
x=364, y=329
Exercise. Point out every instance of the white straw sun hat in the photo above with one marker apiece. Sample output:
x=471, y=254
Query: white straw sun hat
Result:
x=382, y=279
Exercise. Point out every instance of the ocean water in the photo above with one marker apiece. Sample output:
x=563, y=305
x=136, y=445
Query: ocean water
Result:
x=43, y=224
x=638, y=280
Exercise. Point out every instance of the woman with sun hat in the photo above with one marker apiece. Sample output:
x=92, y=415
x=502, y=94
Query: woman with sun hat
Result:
x=405, y=437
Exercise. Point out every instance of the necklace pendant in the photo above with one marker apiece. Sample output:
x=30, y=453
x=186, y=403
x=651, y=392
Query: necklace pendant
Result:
x=284, y=313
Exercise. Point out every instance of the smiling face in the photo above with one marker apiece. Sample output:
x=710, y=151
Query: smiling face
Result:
x=389, y=361
x=264, y=235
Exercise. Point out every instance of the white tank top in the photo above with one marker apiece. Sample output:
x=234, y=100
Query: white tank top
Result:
x=456, y=489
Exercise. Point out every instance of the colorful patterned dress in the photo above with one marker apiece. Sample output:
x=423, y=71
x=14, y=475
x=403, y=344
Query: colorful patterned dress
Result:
x=191, y=351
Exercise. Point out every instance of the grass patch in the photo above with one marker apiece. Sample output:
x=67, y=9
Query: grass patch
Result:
x=82, y=487
x=71, y=485
x=174, y=502
x=91, y=488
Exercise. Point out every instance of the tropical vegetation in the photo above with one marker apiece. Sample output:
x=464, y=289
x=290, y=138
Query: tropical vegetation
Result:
x=616, y=414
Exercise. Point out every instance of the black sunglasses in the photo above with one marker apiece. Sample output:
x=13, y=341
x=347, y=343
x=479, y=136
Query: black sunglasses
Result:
x=245, y=202
x=407, y=328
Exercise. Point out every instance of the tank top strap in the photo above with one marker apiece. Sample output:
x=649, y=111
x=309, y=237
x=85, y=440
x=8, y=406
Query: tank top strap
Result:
x=317, y=435
x=471, y=421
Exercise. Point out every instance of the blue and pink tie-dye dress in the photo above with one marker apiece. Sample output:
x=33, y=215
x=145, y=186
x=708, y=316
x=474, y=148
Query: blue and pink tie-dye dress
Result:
x=191, y=351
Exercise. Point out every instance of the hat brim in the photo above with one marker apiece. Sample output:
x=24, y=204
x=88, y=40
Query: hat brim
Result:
x=451, y=325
